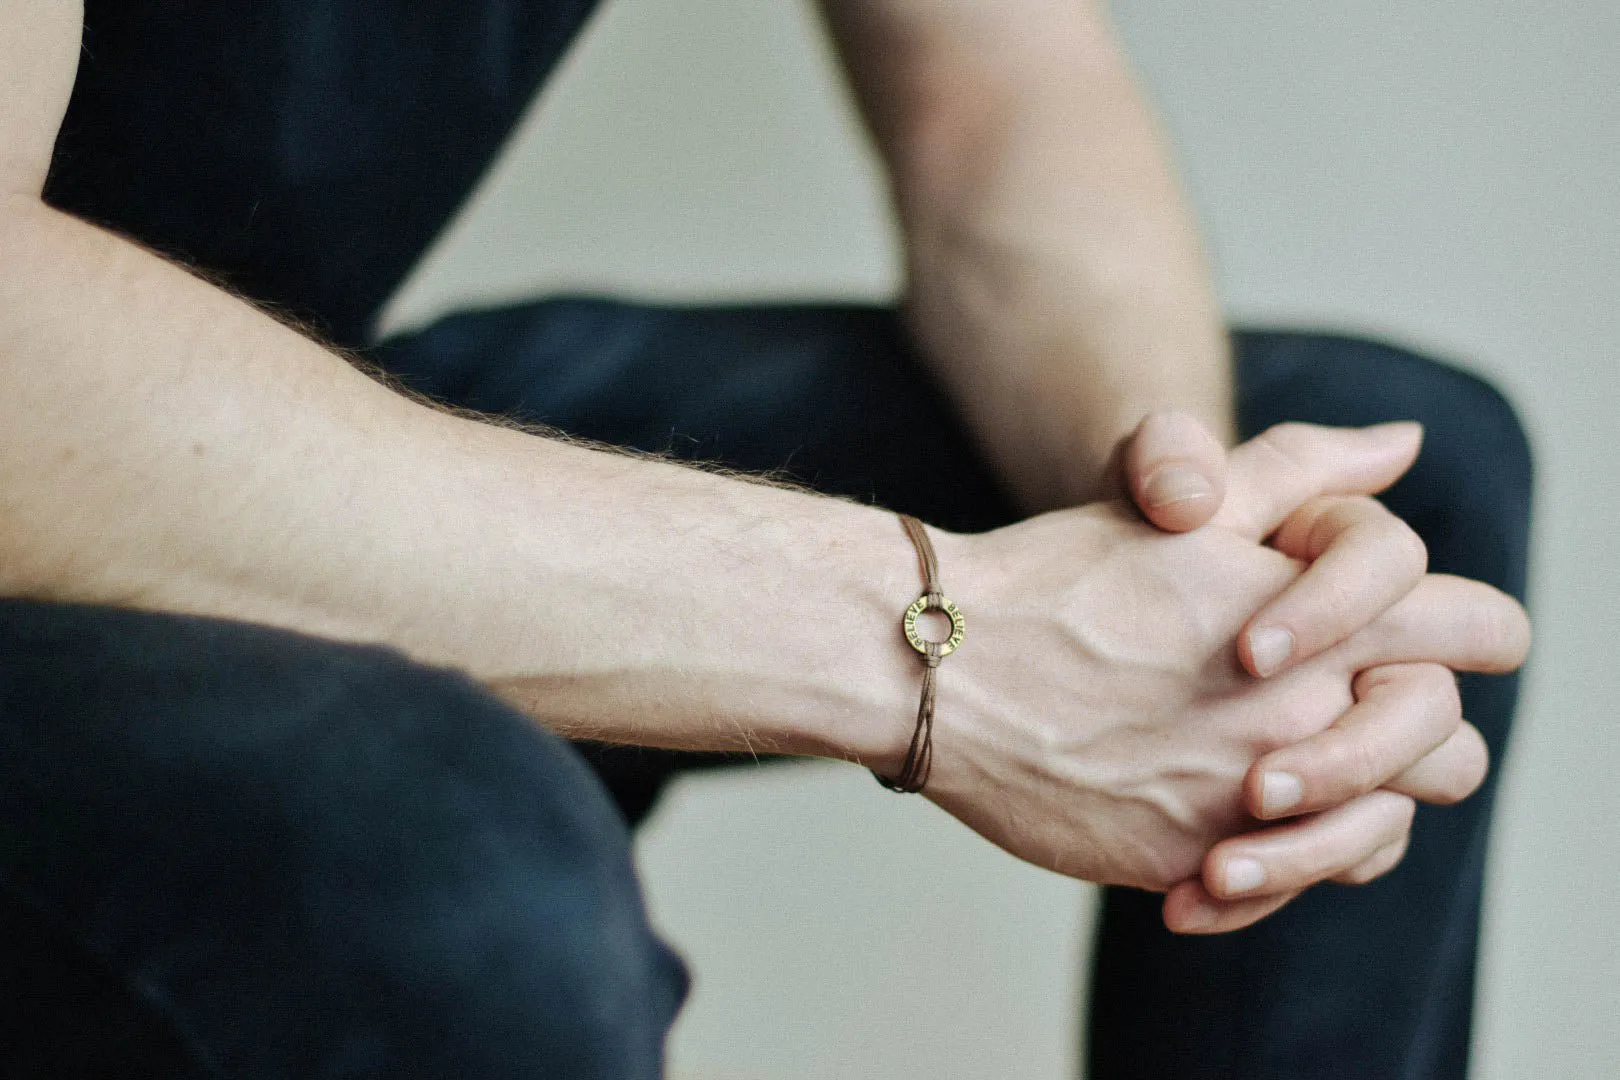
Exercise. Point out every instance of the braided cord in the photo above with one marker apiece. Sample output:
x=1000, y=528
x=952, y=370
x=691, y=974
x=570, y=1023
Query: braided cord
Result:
x=919, y=759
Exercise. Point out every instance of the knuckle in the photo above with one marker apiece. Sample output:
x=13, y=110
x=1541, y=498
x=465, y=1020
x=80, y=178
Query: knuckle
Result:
x=1376, y=866
x=1475, y=770
x=1303, y=529
x=1287, y=727
x=1356, y=511
x=1286, y=443
x=1337, y=768
x=1450, y=693
x=1396, y=542
x=1408, y=547
x=1371, y=680
x=1490, y=635
x=1289, y=436
x=1472, y=765
x=1324, y=518
x=1360, y=765
x=1342, y=598
x=1361, y=875
x=1391, y=813
x=1155, y=422
x=1441, y=695
x=1405, y=813
x=1454, y=791
x=1518, y=632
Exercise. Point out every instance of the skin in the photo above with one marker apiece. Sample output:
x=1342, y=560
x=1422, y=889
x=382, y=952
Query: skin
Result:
x=1164, y=725
x=1057, y=284
x=168, y=446
x=1055, y=277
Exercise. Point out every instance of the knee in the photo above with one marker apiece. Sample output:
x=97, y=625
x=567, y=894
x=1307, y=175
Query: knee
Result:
x=1470, y=492
x=1473, y=439
x=320, y=851
x=1473, y=434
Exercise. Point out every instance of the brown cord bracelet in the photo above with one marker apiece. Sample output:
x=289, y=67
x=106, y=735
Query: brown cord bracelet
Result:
x=920, y=755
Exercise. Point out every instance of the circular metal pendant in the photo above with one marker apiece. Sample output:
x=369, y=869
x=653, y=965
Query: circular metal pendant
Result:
x=922, y=644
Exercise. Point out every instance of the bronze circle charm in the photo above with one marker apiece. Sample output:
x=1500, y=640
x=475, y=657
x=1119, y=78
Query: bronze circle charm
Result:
x=922, y=644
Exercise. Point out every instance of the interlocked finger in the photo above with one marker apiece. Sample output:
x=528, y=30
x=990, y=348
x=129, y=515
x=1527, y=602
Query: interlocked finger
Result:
x=1296, y=855
x=1449, y=773
x=1464, y=624
x=1360, y=559
x=1284, y=467
x=1190, y=909
x=1402, y=713
x=1380, y=863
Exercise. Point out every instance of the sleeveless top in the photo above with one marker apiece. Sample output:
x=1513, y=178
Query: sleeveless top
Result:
x=304, y=151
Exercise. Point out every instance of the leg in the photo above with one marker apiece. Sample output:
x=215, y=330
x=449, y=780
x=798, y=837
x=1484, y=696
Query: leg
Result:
x=829, y=396
x=227, y=850
x=1355, y=983
x=1376, y=981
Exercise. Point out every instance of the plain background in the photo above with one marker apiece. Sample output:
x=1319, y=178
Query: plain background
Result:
x=1444, y=173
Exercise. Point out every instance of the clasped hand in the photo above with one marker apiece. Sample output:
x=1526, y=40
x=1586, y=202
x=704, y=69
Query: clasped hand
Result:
x=1140, y=698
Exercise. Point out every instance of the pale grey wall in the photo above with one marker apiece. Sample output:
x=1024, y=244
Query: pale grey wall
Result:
x=1444, y=172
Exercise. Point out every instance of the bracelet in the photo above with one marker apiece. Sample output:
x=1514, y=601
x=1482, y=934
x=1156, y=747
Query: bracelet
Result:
x=920, y=756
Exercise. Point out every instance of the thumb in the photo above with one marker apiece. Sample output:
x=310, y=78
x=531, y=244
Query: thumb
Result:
x=1175, y=470
x=1281, y=469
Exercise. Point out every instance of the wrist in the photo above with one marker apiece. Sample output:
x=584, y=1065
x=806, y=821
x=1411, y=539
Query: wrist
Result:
x=734, y=616
x=874, y=677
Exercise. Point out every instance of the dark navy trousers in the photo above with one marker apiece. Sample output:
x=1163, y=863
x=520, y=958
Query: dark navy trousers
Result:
x=227, y=851
x=232, y=852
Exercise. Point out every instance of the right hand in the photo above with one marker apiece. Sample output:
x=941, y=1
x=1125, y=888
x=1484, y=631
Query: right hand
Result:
x=1098, y=721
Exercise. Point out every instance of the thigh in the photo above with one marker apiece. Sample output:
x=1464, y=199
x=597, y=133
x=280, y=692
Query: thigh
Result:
x=832, y=397
x=243, y=852
x=1355, y=983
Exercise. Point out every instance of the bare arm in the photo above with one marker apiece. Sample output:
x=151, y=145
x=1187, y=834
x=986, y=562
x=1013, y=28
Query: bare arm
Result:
x=166, y=445
x=1055, y=277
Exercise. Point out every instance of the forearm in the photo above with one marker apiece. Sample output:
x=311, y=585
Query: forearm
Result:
x=165, y=445
x=1055, y=276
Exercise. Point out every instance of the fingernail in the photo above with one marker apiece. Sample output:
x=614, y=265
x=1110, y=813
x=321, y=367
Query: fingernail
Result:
x=1280, y=792
x=1244, y=875
x=1173, y=484
x=1270, y=647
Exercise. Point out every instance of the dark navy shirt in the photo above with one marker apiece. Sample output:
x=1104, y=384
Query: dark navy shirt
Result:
x=305, y=151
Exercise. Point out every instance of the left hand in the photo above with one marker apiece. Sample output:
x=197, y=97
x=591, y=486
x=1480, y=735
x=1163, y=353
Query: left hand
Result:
x=1307, y=489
